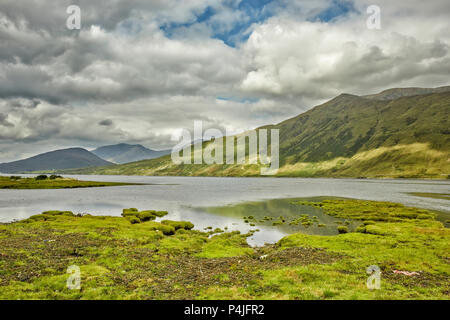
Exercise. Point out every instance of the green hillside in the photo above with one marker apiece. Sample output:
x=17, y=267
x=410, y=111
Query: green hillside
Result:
x=348, y=136
x=395, y=93
x=350, y=124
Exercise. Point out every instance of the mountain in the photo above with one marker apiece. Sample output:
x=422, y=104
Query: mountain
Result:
x=349, y=136
x=124, y=153
x=55, y=160
x=395, y=93
x=350, y=124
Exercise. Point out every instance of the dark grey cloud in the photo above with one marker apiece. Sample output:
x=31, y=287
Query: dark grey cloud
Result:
x=4, y=122
x=49, y=16
x=106, y=122
x=122, y=79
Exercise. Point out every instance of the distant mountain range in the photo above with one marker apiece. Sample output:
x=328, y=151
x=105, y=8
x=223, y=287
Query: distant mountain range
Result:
x=75, y=158
x=124, y=153
x=55, y=160
x=401, y=132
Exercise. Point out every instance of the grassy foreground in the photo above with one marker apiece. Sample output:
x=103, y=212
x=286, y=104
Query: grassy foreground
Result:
x=135, y=257
x=52, y=182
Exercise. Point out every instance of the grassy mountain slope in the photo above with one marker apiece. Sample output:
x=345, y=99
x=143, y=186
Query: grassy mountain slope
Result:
x=348, y=136
x=395, y=93
x=349, y=124
x=54, y=160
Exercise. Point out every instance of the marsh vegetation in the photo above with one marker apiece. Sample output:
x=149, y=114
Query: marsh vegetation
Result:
x=121, y=258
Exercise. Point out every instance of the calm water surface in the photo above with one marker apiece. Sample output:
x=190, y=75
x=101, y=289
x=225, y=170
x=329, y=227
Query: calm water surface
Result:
x=190, y=198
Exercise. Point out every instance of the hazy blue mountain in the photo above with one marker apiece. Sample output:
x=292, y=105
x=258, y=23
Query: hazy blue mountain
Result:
x=124, y=153
x=71, y=158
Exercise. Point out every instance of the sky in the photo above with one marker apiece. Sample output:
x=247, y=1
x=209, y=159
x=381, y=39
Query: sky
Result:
x=139, y=71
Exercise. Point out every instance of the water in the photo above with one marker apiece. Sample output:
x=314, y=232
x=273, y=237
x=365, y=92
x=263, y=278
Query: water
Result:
x=188, y=198
x=263, y=214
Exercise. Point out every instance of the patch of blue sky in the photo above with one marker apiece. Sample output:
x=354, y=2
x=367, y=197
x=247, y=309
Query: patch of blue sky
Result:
x=252, y=11
x=337, y=8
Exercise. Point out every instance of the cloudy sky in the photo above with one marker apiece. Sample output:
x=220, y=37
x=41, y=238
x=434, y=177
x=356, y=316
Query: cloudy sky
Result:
x=140, y=70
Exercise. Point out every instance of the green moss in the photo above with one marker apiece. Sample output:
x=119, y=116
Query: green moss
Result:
x=160, y=214
x=39, y=217
x=342, y=229
x=143, y=216
x=58, y=213
x=130, y=210
x=178, y=224
x=307, y=223
x=369, y=210
x=146, y=215
x=133, y=219
x=225, y=245
x=375, y=229
x=126, y=214
x=166, y=230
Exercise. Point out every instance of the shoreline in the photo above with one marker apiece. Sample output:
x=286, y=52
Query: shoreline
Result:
x=53, y=182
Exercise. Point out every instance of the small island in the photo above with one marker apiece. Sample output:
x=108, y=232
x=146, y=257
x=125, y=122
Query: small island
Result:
x=52, y=182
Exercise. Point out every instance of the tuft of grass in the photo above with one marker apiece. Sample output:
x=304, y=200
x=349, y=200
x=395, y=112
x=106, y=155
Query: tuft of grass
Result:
x=186, y=225
x=342, y=229
x=136, y=216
